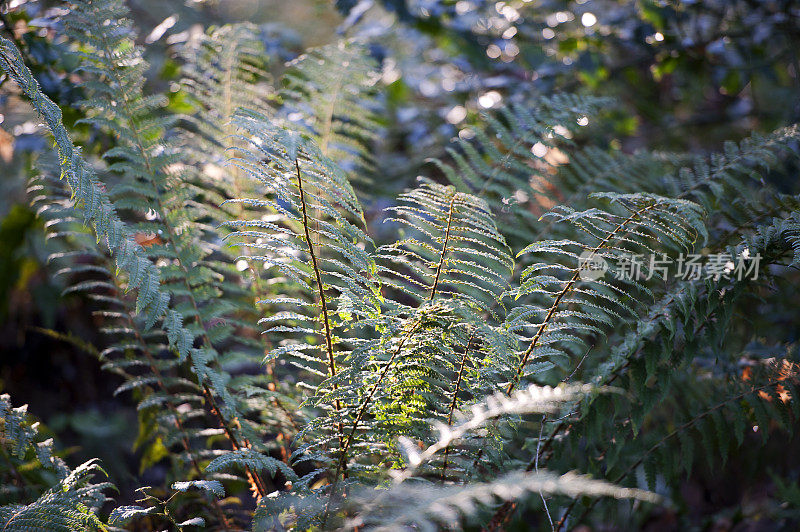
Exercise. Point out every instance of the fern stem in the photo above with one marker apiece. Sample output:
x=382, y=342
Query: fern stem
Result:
x=453, y=402
x=320, y=287
x=324, y=311
x=551, y=312
x=444, y=247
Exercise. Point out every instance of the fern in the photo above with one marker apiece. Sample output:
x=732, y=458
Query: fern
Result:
x=459, y=252
x=192, y=273
x=330, y=91
x=87, y=270
x=338, y=287
x=652, y=353
x=429, y=507
x=390, y=383
x=225, y=72
x=71, y=503
x=570, y=307
x=498, y=163
x=129, y=256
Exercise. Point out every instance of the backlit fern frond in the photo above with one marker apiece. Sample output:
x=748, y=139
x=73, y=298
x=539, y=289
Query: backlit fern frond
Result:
x=504, y=164
x=129, y=256
x=91, y=198
x=331, y=91
x=70, y=504
x=311, y=230
x=116, y=103
x=429, y=368
x=533, y=399
x=139, y=355
x=430, y=507
x=410, y=502
x=453, y=251
x=224, y=70
x=311, y=234
x=445, y=278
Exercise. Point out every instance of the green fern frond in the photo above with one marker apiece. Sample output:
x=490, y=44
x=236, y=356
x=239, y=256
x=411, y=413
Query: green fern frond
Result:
x=331, y=91
x=131, y=258
x=224, y=71
x=570, y=307
x=71, y=503
x=131, y=347
x=312, y=233
x=499, y=165
x=455, y=250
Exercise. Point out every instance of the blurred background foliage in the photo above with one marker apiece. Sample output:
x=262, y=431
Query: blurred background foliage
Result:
x=684, y=76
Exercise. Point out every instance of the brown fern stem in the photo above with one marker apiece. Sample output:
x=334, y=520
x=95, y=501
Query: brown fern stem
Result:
x=322, y=303
x=444, y=247
x=453, y=402
x=320, y=287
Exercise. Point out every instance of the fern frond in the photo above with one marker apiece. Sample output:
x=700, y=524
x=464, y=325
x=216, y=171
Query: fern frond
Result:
x=708, y=413
x=427, y=507
x=447, y=277
x=331, y=91
x=131, y=258
x=572, y=307
x=455, y=251
x=71, y=504
x=534, y=399
x=133, y=352
x=224, y=71
x=311, y=233
x=498, y=164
